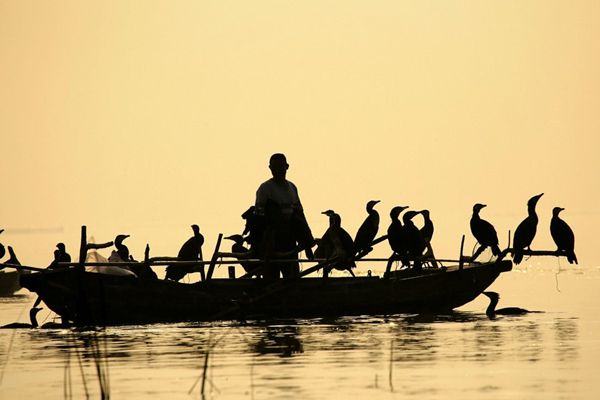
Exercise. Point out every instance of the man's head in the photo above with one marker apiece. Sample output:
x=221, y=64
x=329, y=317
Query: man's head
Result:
x=278, y=166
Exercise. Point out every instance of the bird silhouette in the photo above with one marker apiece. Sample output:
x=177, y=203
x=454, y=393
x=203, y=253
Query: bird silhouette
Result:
x=122, y=250
x=2, y=249
x=336, y=244
x=367, y=231
x=526, y=230
x=397, y=235
x=563, y=235
x=427, y=229
x=484, y=232
x=191, y=250
x=491, y=310
x=241, y=252
x=62, y=255
x=415, y=243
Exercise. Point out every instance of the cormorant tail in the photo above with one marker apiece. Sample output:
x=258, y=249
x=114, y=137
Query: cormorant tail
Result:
x=495, y=250
x=572, y=258
x=517, y=256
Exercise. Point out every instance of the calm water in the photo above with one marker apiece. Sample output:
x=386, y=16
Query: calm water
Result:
x=549, y=355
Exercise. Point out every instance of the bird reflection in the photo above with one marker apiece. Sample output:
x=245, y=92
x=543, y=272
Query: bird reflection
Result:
x=279, y=340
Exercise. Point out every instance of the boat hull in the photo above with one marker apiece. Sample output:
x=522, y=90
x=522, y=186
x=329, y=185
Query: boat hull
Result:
x=85, y=298
x=9, y=283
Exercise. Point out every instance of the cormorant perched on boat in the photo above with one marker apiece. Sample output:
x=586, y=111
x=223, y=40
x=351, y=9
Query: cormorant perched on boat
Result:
x=122, y=250
x=526, y=230
x=191, y=250
x=484, y=232
x=367, y=231
x=336, y=243
x=427, y=229
x=396, y=234
x=63, y=256
x=241, y=252
x=142, y=270
x=2, y=249
x=563, y=235
x=415, y=243
x=491, y=311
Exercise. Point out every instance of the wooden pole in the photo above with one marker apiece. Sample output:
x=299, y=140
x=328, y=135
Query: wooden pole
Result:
x=213, y=261
x=460, y=258
x=83, y=247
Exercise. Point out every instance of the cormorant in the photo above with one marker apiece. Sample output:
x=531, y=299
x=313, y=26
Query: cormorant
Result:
x=367, y=231
x=491, y=310
x=122, y=250
x=563, y=235
x=63, y=256
x=191, y=250
x=415, y=243
x=2, y=249
x=143, y=271
x=484, y=232
x=526, y=230
x=427, y=229
x=336, y=243
x=396, y=234
x=33, y=322
x=32, y=318
x=241, y=251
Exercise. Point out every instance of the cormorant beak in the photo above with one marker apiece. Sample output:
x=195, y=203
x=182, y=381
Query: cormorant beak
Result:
x=229, y=237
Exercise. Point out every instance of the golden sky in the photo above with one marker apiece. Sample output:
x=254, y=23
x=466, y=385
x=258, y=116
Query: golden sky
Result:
x=143, y=117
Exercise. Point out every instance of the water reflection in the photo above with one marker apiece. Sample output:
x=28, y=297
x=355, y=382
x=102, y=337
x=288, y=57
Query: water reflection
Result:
x=398, y=354
x=280, y=340
x=566, y=339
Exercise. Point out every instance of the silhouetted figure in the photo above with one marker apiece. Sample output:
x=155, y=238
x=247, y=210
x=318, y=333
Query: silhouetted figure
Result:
x=241, y=252
x=122, y=250
x=397, y=235
x=491, y=311
x=56, y=260
x=336, y=244
x=142, y=271
x=563, y=235
x=484, y=232
x=191, y=250
x=367, y=231
x=2, y=249
x=255, y=228
x=279, y=210
x=526, y=230
x=63, y=256
x=415, y=243
x=427, y=229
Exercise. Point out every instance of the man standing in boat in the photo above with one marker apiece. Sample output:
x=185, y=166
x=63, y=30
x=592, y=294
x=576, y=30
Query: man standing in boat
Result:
x=286, y=229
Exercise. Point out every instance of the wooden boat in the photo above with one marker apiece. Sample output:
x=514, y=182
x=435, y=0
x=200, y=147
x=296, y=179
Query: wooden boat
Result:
x=9, y=282
x=85, y=298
